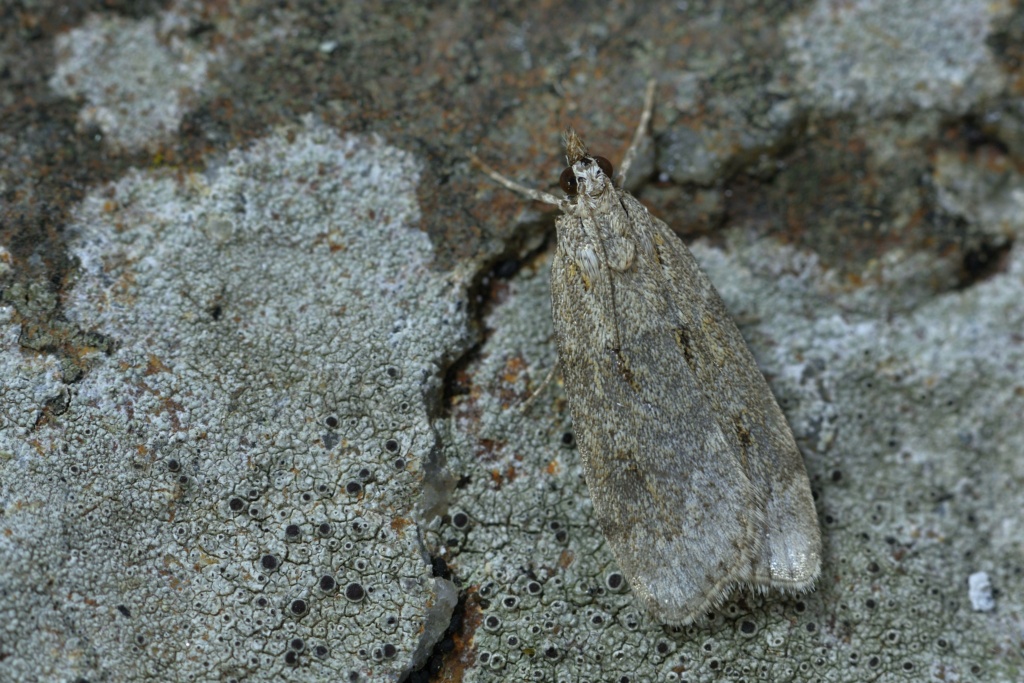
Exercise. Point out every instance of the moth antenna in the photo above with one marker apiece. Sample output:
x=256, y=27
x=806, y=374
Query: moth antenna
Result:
x=638, y=136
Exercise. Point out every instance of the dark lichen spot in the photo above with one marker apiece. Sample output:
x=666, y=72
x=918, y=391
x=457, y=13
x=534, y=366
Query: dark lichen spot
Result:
x=662, y=648
x=236, y=504
x=269, y=562
x=291, y=658
x=569, y=440
x=614, y=581
x=353, y=488
x=292, y=532
x=320, y=651
x=439, y=568
x=510, y=602
x=306, y=497
x=331, y=422
x=297, y=644
x=173, y=465
x=364, y=474
x=460, y=520
x=873, y=567
x=354, y=592
x=324, y=529
x=552, y=653
x=298, y=607
x=389, y=650
x=562, y=536
x=748, y=627
x=533, y=588
x=327, y=583
x=124, y=610
x=393, y=372
x=492, y=623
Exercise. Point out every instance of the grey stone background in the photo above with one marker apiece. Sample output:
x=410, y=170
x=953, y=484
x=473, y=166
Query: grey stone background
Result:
x=266, y=335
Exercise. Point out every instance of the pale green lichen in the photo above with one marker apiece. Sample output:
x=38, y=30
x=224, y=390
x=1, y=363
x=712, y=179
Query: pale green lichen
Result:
x=260, y=426
x=152, y=73
x=883, y=57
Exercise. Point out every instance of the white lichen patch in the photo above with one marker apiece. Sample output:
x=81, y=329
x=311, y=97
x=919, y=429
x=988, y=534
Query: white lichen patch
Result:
x=979, y=591
x=136, y=78
x=229, y=494
x=889, y=56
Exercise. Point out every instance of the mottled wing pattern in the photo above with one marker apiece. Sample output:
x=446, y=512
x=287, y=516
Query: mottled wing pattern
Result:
x=735, y=389
x=693, y=472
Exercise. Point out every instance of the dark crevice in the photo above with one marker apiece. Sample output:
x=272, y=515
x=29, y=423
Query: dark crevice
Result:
x=982, y=261
x=433, y=669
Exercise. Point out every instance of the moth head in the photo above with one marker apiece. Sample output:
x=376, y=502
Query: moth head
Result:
x=589, y=176
x=586, y=174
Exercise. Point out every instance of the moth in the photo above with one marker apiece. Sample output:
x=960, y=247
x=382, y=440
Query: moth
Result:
x=694, y=474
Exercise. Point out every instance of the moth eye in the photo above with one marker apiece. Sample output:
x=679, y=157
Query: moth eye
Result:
x=604, y=165
x=568, y=181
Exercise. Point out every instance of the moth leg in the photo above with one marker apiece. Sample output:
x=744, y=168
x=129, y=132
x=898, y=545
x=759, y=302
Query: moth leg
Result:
x=638, y=136
x=525, y=406
x=535, y=195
